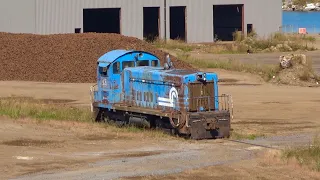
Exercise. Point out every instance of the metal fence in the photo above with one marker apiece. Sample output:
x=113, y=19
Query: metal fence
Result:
x=313, y=29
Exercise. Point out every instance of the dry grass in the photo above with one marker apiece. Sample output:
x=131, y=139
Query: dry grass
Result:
x=241, y=135
x=22, y=107
x=278, y=42
x=27, y=142
x=305, y=156
x=175, y=45
x=265, y=71
x=300, y=74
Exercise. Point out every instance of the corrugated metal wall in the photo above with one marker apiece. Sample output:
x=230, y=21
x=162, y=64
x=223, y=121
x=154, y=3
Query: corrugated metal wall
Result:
x=63, y=16
x=266, y=16
x=17, y=16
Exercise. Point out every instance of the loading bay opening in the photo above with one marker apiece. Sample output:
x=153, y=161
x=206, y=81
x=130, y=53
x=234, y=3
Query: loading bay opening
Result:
x=151, y=22
x=178, y=23
x=249, y=28
x=226, y=20
x=102, y=20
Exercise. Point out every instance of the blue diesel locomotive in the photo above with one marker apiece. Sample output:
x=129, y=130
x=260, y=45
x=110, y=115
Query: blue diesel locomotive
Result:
x=132, y=87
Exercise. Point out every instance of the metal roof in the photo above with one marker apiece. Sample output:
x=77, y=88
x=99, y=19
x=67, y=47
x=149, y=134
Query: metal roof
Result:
x=113, y=55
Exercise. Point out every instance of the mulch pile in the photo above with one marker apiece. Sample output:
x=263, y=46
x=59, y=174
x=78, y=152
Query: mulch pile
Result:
x=69, y=58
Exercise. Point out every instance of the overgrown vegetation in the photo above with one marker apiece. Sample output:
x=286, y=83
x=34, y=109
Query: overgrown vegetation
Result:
x=21, y=107
x=301, y=72
x=24, y=107
x=277, y=42
x=305, y=156
x=175, y=45
x=265, y=71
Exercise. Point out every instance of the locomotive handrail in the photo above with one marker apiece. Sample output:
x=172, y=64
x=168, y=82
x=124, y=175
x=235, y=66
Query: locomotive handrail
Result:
x=229, y=103
x=225, y=102
x=156, y=82
x=92, y=90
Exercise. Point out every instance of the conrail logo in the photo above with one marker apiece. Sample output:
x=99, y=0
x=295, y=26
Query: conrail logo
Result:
x=169, y=102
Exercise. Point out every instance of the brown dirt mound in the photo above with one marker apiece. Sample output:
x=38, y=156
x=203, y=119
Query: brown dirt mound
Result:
x=67, y=58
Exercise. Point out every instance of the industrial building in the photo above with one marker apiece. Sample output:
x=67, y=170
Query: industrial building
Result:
x=189, y=20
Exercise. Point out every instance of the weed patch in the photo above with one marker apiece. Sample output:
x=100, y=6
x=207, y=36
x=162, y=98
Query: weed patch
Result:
x=27, y=142
x=21, y=107
x=174, y=45
x=16, y=107
x=277, y=42
x=238, y=136
x=265, y=71
x=305, y=156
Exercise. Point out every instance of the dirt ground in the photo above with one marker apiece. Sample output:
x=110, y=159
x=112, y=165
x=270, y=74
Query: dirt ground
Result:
x=286, y=115
x=265, y=167
x=65, y=150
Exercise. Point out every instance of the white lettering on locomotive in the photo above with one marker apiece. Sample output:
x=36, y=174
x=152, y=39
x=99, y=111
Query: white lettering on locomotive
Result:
x=104, y=83
x=169, y=102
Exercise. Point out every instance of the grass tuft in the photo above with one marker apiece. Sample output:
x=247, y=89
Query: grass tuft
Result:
x=174, y=45
x=239, y=136
x=305, y=156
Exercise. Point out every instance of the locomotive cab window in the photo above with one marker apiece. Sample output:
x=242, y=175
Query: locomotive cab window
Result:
x=143, y=63
x=126, y=64
x=116, y=68
x=154, y=63
x=104, y=71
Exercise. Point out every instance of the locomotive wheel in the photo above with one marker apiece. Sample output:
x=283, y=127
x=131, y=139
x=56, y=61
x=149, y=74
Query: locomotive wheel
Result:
x=162, y=126
x=96, y=114
x=113, y=119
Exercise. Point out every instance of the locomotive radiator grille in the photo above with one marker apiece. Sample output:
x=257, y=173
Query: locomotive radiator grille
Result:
x=201, y=95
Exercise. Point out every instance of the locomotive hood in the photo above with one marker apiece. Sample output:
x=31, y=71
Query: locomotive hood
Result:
x=173, y=76
x=174, y=88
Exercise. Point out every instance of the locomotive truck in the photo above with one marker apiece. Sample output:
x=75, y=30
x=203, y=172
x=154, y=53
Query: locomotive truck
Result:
x=132, y=88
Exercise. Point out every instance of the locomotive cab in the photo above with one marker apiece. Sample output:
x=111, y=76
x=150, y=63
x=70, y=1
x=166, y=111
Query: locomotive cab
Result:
x=132, y=87
x=110, y=68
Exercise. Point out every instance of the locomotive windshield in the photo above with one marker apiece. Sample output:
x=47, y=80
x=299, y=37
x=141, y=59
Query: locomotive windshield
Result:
x=126, y=64
x=116, y=68
x=154, y=63
x=143, y=63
